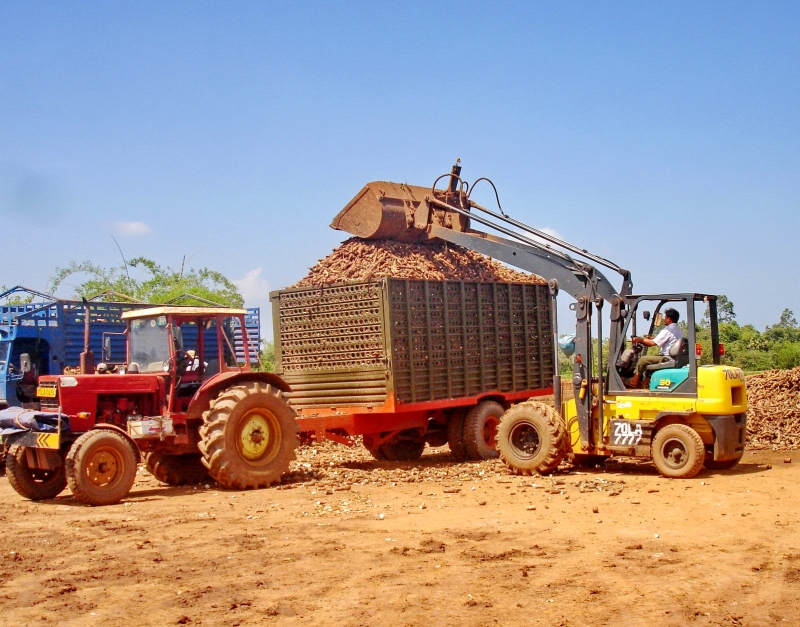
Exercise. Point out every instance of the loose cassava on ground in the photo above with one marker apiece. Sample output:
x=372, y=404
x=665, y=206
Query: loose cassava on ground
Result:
x=773, y=416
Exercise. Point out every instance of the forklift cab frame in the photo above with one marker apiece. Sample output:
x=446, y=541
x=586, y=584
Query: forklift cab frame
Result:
x=626, y=320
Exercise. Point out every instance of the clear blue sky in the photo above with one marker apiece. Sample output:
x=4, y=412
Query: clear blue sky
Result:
x=662, y=135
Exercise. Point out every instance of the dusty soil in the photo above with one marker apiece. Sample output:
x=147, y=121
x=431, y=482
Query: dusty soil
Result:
x=349, y=541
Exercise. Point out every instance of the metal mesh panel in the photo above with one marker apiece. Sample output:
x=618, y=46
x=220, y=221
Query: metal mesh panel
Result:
x=452, y=339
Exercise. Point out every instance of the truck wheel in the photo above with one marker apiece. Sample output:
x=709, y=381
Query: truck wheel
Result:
x=480, y=430
x=402, y=450
x=33, y=483
x=726, y=465
x=249, y=436
x=177, y=469
x=678, y=451
x=101, y=467
x=532, y=438
x=455, y=434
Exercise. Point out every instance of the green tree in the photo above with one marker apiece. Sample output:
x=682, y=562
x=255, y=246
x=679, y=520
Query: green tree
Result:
x=151, y=283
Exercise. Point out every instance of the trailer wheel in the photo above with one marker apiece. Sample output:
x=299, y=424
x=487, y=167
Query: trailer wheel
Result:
x=726, y=465
x=101, y=467
x=177, y=469
x=678, y=451
x=532, y=438
x=249, y=436
x=455, y=434
x=402, y=450
x=480, y=430
x=33, y=483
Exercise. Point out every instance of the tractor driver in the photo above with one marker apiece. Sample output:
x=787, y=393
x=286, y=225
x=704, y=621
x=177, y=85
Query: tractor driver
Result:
x=670, y=334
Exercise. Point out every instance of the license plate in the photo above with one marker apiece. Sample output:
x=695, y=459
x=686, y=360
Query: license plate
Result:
x=46, y=392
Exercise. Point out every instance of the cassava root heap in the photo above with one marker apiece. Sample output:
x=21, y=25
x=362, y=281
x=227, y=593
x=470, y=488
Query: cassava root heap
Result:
x=362, y=260
x=773, y=416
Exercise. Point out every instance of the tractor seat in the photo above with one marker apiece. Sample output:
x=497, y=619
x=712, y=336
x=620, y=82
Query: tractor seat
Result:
x=678, y=357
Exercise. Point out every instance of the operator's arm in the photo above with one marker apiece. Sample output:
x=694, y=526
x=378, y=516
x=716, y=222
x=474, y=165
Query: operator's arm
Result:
x=647, y=341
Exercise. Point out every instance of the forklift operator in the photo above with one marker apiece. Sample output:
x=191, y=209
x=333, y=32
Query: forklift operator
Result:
x=670, y=334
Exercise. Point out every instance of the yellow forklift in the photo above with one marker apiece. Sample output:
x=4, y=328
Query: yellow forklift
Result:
x=684, y=416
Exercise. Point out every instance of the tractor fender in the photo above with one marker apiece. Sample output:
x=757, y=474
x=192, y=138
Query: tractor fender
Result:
x=201, y=400
x=123, y=433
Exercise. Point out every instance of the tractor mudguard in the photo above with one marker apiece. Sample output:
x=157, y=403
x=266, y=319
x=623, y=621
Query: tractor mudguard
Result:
x=202, y=398
x=123, y=433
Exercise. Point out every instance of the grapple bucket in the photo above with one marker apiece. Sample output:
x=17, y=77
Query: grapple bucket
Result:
x=384, y=210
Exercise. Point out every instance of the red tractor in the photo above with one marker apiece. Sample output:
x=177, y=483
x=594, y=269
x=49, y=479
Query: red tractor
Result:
x=181, y=400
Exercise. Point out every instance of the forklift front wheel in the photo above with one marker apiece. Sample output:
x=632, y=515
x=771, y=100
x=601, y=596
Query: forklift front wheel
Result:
x=678, y=451
x=532, y=438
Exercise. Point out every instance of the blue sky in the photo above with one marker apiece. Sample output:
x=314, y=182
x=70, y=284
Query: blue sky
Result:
x=662, y=135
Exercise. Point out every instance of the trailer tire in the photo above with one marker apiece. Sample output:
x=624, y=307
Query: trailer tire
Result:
x=678, y=452
x=402, y=450
x=480, y=430
x=33, y=483
x=249, y=436
x=710, y=464
x=101, y=467
x=532, y=439
x=455, y=434
x=177, y=469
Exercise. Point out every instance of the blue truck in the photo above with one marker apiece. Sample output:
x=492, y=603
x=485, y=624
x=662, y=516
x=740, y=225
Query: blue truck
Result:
x=47, y=337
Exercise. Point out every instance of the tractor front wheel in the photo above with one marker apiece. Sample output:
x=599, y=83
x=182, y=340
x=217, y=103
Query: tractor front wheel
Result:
x=248, y=436
x=33, y=483
x=101, y=467
x=678, y=451
x=532, y=438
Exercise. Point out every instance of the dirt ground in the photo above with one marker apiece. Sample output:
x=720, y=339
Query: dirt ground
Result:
x=349, y=541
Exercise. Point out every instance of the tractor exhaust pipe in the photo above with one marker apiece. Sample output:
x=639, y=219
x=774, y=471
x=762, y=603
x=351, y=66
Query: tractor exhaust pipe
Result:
x=87, y=357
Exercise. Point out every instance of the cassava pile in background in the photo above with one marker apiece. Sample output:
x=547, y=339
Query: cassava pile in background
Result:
x=361, y=260
x=773, y=417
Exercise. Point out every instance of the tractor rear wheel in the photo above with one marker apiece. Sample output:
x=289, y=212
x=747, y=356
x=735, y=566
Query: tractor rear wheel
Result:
x=33, y=483
x=532, y=439
x=480, y=430
x=177, y=469
x=678, y=451
x=101, y=467
x=455, y=434
x=248, y=436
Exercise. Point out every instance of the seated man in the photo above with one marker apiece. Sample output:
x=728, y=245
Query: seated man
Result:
x=670, y=334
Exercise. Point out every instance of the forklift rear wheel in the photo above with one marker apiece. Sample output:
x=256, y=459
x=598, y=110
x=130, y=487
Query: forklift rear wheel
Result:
x=532, y=438
x=678, y=451
x=101, y=467
x=455, y=434
x=249, y=436
x=480, y=430
x=177, y=469
x=33, y=483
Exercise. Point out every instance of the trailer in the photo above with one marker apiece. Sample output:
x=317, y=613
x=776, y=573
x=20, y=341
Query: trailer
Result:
x=46, y=337
x=406, y=362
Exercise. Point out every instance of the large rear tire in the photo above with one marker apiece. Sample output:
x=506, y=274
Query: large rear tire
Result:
x=101, y=467
x=678, y=451
x=480, y=430
x=455, y=434
x=33, y=483
x=249, y=436
x=532, y=439
x=177, y=469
